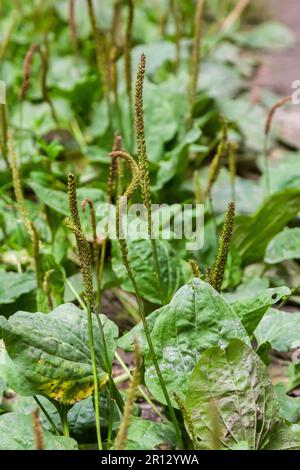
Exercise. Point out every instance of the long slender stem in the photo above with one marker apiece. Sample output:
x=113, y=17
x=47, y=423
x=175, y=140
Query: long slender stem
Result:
x=155, y=362
x=51, y=422
x=95, y=376
x=129, y=376
x=115, y=391
x=196, y=57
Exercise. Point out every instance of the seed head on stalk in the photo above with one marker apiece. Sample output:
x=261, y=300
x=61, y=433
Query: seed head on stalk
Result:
x=187, y=419
x=29, y=225
x=143, y=158
x=224, y=245
x=136, y=176
x=195, y=268
x=27, y=67
x=83, y=246
x=222, y=151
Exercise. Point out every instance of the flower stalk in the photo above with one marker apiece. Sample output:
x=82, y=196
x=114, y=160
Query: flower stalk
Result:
x=224, y=246
x=143, y=160
x=135, y=182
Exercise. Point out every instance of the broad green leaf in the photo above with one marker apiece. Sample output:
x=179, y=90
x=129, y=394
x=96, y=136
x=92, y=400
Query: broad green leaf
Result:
x=285, y=173
x=231, y=398
x=141, y=263
x=148, y=435
x=252, y=234
x=284, y=437
x=196, y=319
x=268, y=35
x=14, y=378
x=289, y=406
x=13, y=285
x=280, y=329
x=126, y=341
x=17, y=433
x=58, y=200
x=252, y=308
x=284, y=246
x=52, y=351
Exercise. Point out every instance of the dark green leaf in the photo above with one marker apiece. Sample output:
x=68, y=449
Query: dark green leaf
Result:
x=231, y=398
x=197, y=318
x=252, y=234
x=52, y=351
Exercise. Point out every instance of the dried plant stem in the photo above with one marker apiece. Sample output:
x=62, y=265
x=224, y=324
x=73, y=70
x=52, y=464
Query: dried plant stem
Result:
x=73, y=25
x=143, y=161
x=175, y=11
x=129, y=405
x=136, y=175
x=45, y=67
x=27, y=70
x=196, y=57
x=234, y=15
x=224, y=246
x=38, y=430
x=268, y=125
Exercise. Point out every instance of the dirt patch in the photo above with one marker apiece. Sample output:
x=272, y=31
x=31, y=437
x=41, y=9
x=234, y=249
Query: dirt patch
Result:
x=280, y=69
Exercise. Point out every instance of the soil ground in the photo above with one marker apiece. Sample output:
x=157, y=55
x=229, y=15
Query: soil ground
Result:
x=281, y=68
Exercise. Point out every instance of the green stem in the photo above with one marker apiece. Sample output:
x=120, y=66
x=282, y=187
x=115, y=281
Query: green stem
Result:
x=155, y=362
x=115, y=391
x=63, y=413
x=143, y=394
x=95, y=376
x=51, y=422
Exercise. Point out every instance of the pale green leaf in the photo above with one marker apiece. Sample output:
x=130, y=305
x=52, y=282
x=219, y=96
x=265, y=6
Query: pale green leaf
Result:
x=17, y=433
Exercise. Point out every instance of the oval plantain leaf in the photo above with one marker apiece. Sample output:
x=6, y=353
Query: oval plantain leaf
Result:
x=196, y=319
x=17, y=433
x=251, y=309
x=280, y=329
x=252, y=234
x=284, y=437
x=52, y=351
x=231, y=398
x=148, y=435
x=141, y=262
x=286, y=245
x=13, y=285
